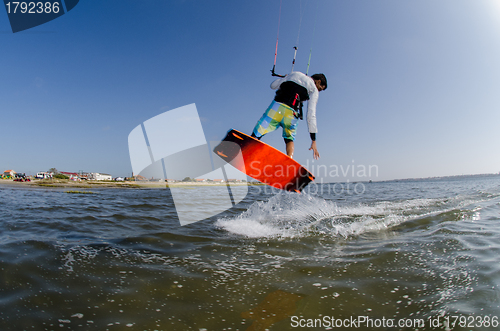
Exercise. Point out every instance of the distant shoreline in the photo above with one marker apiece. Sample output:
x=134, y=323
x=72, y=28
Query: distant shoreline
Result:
x=62, y=183
x=65, y=183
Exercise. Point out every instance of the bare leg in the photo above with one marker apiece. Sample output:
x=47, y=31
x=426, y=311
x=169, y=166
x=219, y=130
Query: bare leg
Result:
x=289, y=147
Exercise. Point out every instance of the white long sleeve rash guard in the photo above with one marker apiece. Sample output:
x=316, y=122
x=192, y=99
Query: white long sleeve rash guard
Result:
x=308, y=83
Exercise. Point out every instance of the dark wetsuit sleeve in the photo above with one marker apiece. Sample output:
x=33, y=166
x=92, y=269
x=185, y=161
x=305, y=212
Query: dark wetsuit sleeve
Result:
x=313, y=136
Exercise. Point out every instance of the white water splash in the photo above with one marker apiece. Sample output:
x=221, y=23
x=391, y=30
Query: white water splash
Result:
x=289, y=215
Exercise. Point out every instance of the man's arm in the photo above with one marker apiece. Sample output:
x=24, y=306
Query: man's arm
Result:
x=311, y=112
x=311, y=121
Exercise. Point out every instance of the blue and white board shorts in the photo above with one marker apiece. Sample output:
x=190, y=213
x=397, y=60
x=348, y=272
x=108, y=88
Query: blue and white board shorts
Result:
x=277, y=114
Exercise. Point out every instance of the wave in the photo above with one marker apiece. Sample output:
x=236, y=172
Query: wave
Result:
x=291, y=215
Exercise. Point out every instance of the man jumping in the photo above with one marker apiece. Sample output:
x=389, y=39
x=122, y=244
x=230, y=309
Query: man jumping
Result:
x=286, y=108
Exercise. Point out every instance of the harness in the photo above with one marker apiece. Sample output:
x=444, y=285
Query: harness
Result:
x=297, y=106
x=292, y=95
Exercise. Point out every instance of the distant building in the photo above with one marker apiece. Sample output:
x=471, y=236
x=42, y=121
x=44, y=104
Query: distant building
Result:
x=11, y=173
x=219, y=180
x=200, y=180
x=140, y=178
x=44, y=175
x=99, y=176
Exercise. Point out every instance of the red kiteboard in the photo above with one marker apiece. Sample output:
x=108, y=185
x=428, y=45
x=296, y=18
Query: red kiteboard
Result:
x=263, y=162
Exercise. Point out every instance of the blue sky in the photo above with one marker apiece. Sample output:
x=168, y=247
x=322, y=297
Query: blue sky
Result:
x=412, y=85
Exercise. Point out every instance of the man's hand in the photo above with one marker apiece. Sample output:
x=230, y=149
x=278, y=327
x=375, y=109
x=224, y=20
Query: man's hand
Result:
x=315, y=150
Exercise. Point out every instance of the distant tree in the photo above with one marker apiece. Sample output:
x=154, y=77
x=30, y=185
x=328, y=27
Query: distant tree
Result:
x=54, y=170
x=61, y=176
x=187, y=179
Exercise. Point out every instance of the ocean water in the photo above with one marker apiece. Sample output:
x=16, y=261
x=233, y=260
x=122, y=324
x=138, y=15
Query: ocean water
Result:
x=407, y=255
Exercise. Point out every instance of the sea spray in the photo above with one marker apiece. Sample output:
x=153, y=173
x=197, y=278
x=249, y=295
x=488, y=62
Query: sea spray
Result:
x=291, y=215
x=288, y=215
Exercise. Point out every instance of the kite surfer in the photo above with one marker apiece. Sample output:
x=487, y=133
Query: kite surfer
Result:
x=286, y=108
